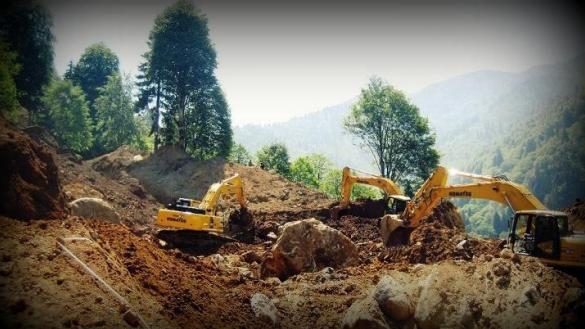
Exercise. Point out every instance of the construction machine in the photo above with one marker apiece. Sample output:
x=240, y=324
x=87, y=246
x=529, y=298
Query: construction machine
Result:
x=534, y=230
x=187, y=221
x=395, y=201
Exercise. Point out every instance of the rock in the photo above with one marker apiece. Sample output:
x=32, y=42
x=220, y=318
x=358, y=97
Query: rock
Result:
x=506, y=253
x=271, y=236
x=394, y=301
x=461, y=245
x=138, y=190
x=29, y=178
x=501, y=269
x=94, y=208
x=250, y=257
x=309, y=245
x=326, y=274
x=264, y=308
x=363, y=314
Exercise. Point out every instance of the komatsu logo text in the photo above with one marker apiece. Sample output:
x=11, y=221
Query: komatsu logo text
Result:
x=461, y=194
x=179, y=219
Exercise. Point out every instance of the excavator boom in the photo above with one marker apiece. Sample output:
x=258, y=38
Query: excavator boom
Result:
x=390, y=189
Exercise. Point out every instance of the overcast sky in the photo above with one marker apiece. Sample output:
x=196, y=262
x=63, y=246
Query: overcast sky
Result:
x=281, y=59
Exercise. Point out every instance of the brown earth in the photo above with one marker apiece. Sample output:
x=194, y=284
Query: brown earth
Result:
x=42, y=286
x=28, y=175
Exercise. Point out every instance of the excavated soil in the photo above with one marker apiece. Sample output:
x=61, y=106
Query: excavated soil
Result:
x=42, y=286
x=28, y=175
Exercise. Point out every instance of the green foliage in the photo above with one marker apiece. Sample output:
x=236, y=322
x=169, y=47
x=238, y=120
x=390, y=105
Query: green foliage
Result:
x=239, y=154
x=91, y=73
x=310, y=170
x=331, y=185
x=26, y=27
x=545, y=153
x=143, y=142
x=302, y=171
x=8, y=70
x=393, y=130
x=209, y=131
x=68, y=115
x=178, y=73
x=320, y=164
x=115, y=124
x=150, y=90
x=274, y=156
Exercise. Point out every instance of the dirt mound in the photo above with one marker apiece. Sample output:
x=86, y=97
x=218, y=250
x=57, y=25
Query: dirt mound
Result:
x=366, y=208
x=441, y=236
x=171, y=173
x=29, y=178
x=446, y=213
x=114, y=164
x=125, y=193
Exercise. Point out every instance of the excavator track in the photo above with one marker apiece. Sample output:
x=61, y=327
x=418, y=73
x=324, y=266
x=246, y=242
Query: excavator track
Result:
x=194, y=242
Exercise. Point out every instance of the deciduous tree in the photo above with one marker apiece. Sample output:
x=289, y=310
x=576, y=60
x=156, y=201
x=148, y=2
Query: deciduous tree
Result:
x=274, y=156
x=68, y=114
x=91, y=72
x=393, y=130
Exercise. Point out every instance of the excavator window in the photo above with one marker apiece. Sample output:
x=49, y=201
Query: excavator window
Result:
x=546, y=237
x=522, y=234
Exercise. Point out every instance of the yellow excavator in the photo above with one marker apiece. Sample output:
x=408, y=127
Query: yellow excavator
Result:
x=187, y=220
x=534, y=230
x=395, y=201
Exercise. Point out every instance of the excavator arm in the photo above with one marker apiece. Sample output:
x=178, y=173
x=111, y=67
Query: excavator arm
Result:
x=348, y=180
x=229, y=186
x=515, y=196
x=494, y=188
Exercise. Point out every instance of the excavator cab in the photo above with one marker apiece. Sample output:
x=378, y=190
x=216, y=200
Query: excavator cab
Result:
x=538, y=233
x=396, y=203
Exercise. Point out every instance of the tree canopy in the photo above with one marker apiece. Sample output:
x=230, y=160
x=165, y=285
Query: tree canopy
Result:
x=178, y=73
x=26, y=27
x=8, y=70
x=115, y=124
x=68, y=115
x=392, y=129
x=274, y=156
x=91, y=72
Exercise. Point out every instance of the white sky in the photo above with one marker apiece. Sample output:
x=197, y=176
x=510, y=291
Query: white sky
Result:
x=278, y=60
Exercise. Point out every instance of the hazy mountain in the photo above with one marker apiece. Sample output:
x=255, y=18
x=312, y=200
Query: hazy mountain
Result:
x=471, y=111
x=318, y=132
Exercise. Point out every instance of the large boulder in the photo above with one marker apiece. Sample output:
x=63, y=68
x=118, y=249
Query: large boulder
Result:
x=94, y=208
x=394, y=298
x=264, y=308
x=29, y=178
x=308, y=245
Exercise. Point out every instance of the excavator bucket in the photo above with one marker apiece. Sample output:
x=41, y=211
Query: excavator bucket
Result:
x=241, y=225
x=393, y=231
